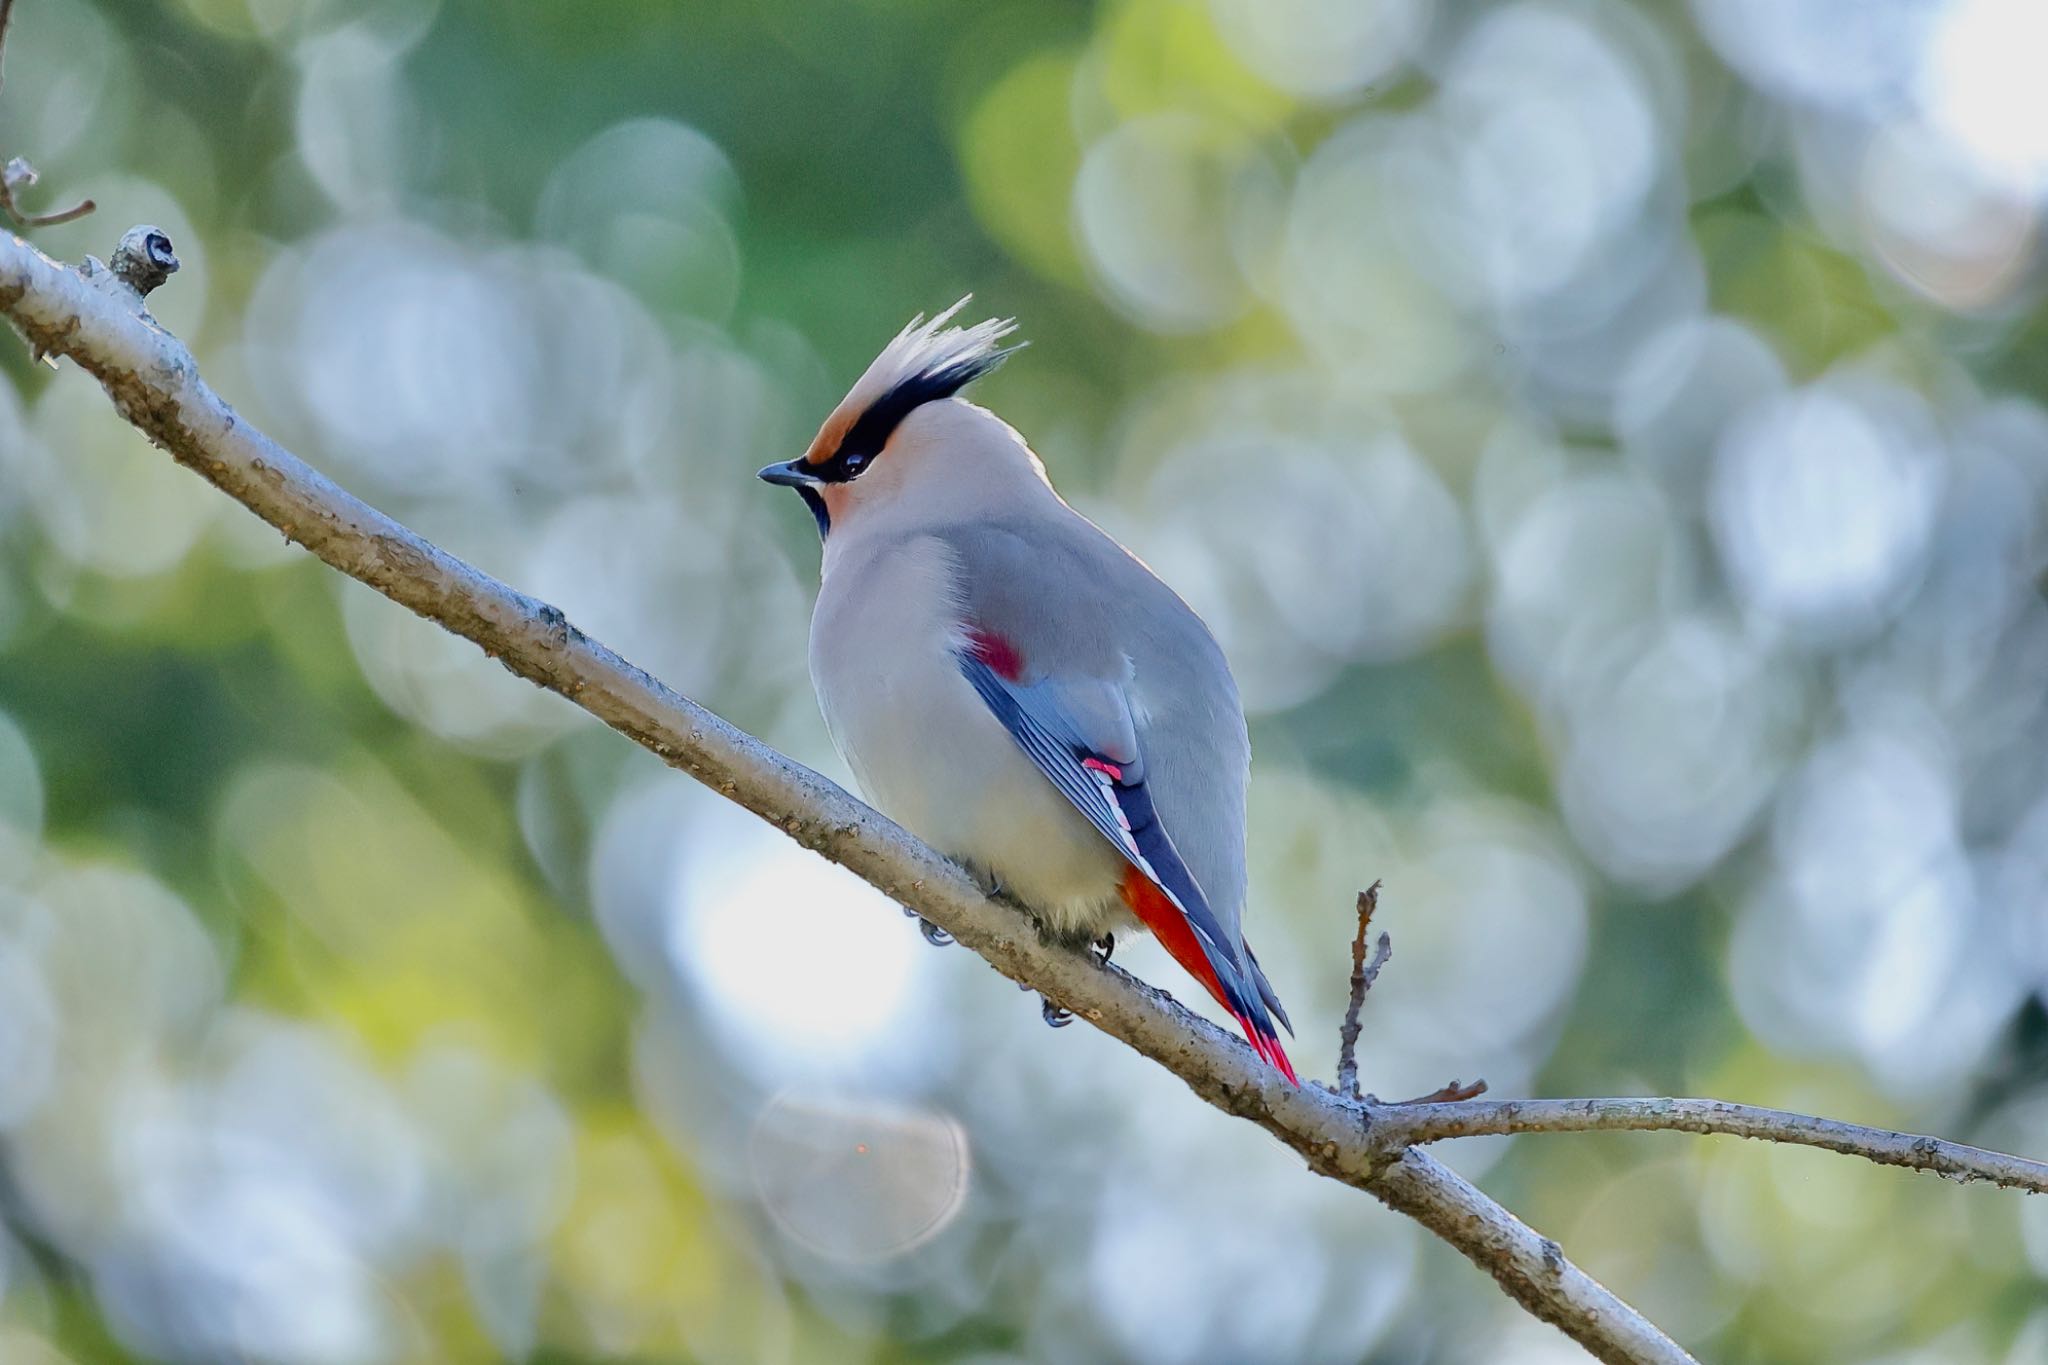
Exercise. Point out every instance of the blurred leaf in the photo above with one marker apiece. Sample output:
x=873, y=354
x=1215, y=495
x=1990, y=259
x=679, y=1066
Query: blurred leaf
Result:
x=1019, y=158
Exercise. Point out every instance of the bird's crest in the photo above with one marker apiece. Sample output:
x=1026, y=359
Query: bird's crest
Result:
x=925, y=362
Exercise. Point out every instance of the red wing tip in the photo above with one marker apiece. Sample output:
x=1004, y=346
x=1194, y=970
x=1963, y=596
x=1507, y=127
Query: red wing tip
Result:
x=998, y=653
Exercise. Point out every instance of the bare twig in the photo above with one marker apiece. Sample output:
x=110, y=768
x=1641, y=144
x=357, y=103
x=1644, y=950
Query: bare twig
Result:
x=1363, y=974
x=1429, y=1122
x=154, y=383
x=1453, y=1092
x=36, y=220
x=19, y=174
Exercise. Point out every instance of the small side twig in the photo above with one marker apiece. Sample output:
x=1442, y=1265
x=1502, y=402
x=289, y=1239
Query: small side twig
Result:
x=19, y=174
x=1364, y=972
x=1456, y=1092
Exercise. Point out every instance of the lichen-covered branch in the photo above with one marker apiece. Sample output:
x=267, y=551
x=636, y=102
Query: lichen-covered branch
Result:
x=100, y=322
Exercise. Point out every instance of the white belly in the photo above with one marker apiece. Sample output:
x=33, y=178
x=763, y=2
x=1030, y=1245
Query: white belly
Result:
x=929, y=754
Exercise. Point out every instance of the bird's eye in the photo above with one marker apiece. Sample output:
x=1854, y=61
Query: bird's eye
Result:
x=845, y=465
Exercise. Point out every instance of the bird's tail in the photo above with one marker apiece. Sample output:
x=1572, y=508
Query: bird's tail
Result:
x=1169, y=924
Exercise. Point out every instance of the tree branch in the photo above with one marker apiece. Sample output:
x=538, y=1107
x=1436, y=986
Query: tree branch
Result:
x=1530, y=1267
x=1420, y=1123
x=98, y=320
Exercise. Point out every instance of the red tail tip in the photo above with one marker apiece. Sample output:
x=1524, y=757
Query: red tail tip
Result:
x=1269, y=1048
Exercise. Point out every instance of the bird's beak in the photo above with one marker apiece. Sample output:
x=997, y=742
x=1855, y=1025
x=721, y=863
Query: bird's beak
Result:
x=791, y=474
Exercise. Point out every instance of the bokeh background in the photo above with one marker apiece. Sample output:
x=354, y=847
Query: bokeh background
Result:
x=1608, y=439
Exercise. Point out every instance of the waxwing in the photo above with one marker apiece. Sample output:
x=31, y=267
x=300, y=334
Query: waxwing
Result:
x=1013, y=686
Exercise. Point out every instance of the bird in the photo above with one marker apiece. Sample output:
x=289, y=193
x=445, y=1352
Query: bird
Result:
x=1013, y=686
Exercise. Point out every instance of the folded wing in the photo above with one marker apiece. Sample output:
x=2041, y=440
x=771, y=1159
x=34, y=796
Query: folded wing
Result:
x=1080, y=734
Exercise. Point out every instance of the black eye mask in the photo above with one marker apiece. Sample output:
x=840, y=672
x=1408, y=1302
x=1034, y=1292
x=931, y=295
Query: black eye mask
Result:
x=864, y=440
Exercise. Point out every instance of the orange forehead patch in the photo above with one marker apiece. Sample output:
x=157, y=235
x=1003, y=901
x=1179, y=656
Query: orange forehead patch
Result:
x=826, y=444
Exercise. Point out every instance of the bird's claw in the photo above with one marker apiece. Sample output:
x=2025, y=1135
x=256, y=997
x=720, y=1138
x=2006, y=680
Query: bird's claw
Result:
x=1055, y=1017
x=1103, y=947
x=933, y=934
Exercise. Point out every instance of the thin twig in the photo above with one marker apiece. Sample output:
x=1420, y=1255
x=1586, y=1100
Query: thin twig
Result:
x=35, y=220
x=1454, y=1092
x=1363, y=974
x=19, y=173
x=1420, y=1123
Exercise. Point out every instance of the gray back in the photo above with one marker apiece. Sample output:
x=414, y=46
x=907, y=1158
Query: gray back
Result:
x=1078, y=604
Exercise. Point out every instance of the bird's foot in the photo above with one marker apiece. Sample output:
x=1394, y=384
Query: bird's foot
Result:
x=1104, y=946
x=1055, y=1017
x=933, y=934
